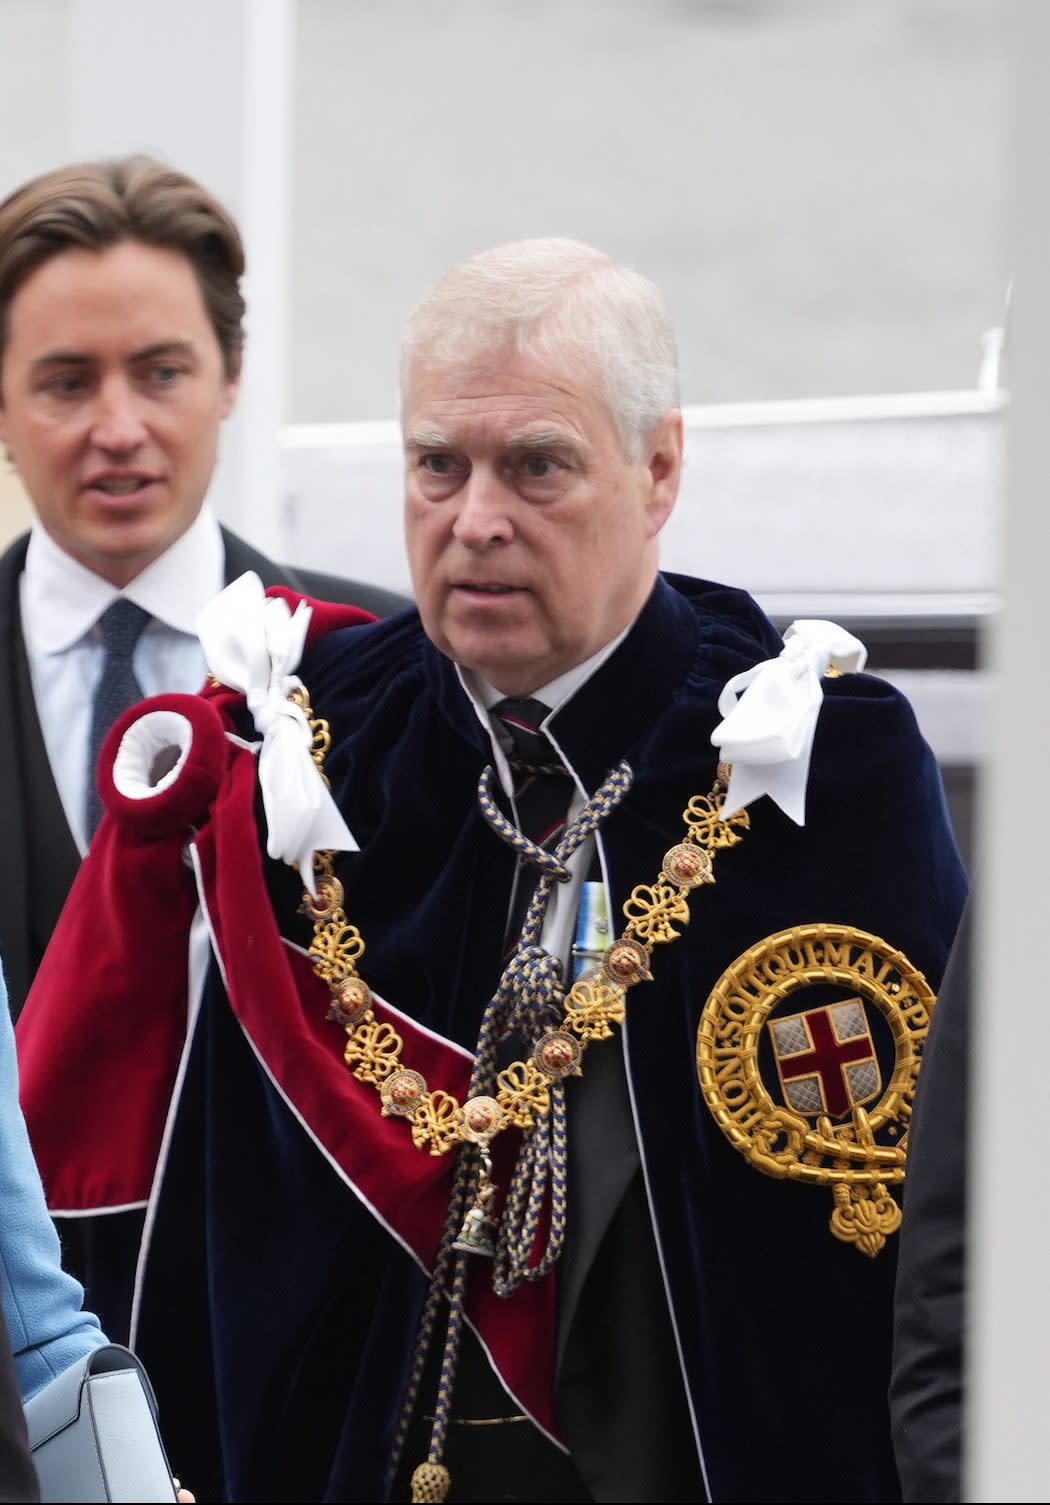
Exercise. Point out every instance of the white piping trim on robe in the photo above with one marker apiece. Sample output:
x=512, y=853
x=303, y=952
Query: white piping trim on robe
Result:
x=199, y=950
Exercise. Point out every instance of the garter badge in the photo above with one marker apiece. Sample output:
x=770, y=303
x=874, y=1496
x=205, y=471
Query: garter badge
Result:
x=826, y=1059
x=788, y=1054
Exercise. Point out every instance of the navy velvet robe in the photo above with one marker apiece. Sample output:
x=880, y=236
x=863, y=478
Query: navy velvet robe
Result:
x=277, y=1315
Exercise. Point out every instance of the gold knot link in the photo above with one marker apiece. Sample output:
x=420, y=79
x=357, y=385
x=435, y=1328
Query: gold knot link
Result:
x=336, y=948
x=320, y=733
x=430, y=1484
x=523, y=1093
x=591, y=1008
x=321, y=743
x=652, y=909
x=436, y=1122
x=703, y=816
x=373, y=1051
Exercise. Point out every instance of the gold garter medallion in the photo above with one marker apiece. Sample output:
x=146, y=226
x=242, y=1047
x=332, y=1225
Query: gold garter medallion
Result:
x=482, y=1118
x=788, y=1060
x=402, y=1093
x=329, y=898
x=558, y=1054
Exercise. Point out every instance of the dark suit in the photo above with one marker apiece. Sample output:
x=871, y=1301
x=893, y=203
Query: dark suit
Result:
x=36, y=873
x=926, y=1395
x=39, y=860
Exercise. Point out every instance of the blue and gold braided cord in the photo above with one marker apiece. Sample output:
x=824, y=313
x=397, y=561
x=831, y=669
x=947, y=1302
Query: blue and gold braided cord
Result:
x=447, y=1377
x=540, y=1173
x=597, y=809
x=467, y=1167
x=528, y=1001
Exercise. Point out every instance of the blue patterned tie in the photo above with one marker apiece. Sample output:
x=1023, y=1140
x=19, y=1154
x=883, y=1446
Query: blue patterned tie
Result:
x=542, y=791
x=121, y=626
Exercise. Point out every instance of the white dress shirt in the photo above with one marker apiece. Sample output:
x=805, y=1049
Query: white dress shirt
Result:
x=61, y=601
x=559, y=926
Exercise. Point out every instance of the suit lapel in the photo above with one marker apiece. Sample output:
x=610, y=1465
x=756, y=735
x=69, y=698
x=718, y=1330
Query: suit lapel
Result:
x=40, y=856
x=52, y=858
x=14, y=941
x=603, y=1162
x=240, y=557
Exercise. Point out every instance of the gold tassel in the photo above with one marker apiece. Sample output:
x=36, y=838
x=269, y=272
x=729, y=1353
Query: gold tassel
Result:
x=430, y=1484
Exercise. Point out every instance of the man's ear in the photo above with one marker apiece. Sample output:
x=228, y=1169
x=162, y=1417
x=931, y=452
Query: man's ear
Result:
x=233, y=384
x=663, y=458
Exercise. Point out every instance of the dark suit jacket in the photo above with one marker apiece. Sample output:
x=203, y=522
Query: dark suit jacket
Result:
x=926, y=1394
x=29, y=910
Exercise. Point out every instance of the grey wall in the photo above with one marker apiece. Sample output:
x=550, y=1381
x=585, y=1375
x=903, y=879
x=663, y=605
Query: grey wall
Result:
x=817, y=185
x=33, y=117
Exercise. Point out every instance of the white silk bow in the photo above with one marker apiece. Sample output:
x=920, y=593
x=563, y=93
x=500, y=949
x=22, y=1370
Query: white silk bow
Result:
x=253, y=643
x=770, y=716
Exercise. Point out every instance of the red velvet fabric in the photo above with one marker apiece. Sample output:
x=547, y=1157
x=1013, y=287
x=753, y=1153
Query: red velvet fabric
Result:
x=100, y=1037
x=107, y=1047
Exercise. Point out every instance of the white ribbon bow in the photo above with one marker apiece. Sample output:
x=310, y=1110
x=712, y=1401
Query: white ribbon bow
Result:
x=253, y=643
x=767, y=732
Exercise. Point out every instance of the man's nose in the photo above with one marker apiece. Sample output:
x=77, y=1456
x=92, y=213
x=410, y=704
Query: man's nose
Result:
x=484, y=515
x=119, y=423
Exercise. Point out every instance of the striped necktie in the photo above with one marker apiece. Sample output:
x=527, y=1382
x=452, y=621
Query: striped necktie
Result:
x=121, y=625
x=542, y=791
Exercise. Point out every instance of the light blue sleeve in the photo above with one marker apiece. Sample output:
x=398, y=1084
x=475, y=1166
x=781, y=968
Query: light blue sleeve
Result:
x=42, y=1304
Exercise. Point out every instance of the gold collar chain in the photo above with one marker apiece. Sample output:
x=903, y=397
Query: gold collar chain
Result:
x=594, y=1003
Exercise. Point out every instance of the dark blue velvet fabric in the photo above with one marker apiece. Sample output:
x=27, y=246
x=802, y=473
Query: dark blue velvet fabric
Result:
x=302, y=1310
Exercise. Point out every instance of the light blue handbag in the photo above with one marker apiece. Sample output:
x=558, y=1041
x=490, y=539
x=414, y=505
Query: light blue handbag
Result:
x=93, y=1432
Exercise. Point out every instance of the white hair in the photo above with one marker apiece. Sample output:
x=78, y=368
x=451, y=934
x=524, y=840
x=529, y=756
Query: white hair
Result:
x=555, y=299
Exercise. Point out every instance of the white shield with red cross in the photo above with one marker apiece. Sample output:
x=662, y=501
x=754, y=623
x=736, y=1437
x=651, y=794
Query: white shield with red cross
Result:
x=826, y=1059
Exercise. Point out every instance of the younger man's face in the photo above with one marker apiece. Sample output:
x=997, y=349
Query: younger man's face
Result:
x=112, y=393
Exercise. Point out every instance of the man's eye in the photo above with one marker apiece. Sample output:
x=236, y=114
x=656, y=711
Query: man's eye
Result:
x=66, y=385
x=439, y=465
x=538, y=467
x=163, y=375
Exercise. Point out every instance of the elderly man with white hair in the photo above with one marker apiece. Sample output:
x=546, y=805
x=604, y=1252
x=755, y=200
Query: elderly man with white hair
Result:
x=539, y=1128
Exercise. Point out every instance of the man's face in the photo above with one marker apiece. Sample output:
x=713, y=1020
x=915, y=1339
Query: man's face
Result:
x=531, y=538
x=112, y=390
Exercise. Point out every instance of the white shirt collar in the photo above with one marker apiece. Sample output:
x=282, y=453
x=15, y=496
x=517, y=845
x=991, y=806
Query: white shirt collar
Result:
x=62, y=599
x=483, y=696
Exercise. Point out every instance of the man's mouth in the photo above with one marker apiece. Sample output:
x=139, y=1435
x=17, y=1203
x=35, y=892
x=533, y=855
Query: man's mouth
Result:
x=477, y=587
x=120, y=485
